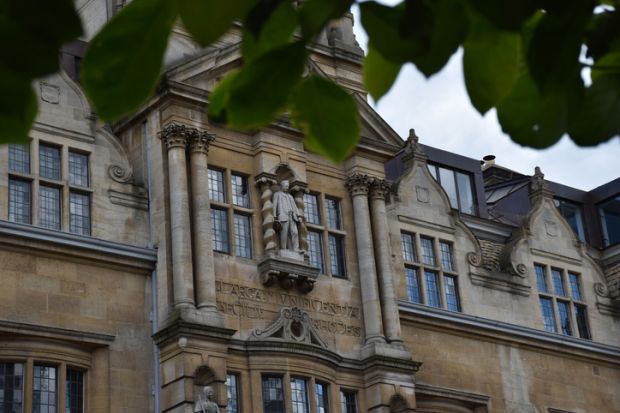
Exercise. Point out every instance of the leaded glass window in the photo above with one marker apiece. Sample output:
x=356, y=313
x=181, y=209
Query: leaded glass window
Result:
x=413, y=285
x=219, y=230
x=348, y=401
x=311, y=209
x=336, y=255
x=541, y=278
x=315, y=251
x=273, y=394
x=446, y=256
x=564, y=314
x=11, y=387
x=79, y=213
x=546, y=306
x=20, y=201
x=78, y=169
x=451, y=291
x=49, y=207
x=74, y=391
x=232, y=392
x=575, y=286
x=407, y=241
x=216, y=185
x=19, y=158
x=432, y=289
x=582, y=321
x=240, y=193
x=322, y=398
x=332, y=206
x=49, y=161
x=44, y=389
x=243, y=239
x=558, y=282
x=428, y=254
x=299, y=395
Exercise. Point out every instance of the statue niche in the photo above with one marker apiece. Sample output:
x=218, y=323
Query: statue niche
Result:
x=286, y=261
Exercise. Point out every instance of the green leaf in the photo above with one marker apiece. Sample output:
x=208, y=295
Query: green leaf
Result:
x=415, y=31
x=208, y=20
x=219, y=98
x=554, y=48
x=124, y=60
x=379, y=74
x=315, y=14
x=18, y=107
x=382, y=23
x=275, y=32
x=505, y=14
x=603, y=32
x=260, y=90
x=328, y=116
x=490, y=63
x=533, y=119
x=597, y=119
x=31, y=33
x=442, y=43
x=259, y=14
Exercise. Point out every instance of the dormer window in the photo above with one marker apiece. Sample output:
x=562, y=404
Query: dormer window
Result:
x=458, y=185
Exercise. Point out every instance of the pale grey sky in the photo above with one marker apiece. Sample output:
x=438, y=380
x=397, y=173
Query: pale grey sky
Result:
x=441, y=113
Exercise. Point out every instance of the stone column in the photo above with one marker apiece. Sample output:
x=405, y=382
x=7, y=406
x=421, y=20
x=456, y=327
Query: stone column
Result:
x=264, y=182
x=175, y=138
x=201, y=220
x=357, y=184
x=380, y=231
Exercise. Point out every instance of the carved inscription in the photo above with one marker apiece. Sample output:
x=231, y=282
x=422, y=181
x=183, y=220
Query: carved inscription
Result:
x=250, y=303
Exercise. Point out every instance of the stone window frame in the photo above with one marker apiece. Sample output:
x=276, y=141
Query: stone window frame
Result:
x=422, y=268
x=344, y=406
x=65, y=188
x=61, y=367
x=325, y=232
x=232, y=210
x=569, y=299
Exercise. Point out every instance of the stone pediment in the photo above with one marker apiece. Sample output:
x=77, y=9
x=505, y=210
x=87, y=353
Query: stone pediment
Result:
x=292, y=325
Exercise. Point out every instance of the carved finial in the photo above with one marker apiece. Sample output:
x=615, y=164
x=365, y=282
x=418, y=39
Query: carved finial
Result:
x=538, y=185
x=411, y=144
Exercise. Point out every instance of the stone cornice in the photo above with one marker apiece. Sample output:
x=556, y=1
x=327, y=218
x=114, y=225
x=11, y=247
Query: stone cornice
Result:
x=85, y=338
x=501, y=331
x=29, y=238
x=357, y=184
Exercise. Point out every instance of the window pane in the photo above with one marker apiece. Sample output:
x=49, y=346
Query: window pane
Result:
x=541, y=278
x=466, y=196
x=336, y=255
x=216, y=186
x=78, y=169
x=243, y=238
x=432, y=289
x=75, y=391
x=49, y=207
x=546, y=306
x=564, y=313
x=446, y=178
x=582, y=321
x=11, y=387
x=273, y=395
x=558, y=282
x=446, y=256
x=348, y=402
x=311, y=209
x=219, y=230
x=332, y=206
x=240, y=193
x=413, y=285
x=315, y=251
x=299, y=395
x=19, y=158
x=575, y=287
x=19, y=201
x=232, y=391
x=322, y=399
x=433, y=170
x=79, y=211
x=452, y=294
x=44, y=389
x=428, y=254
x=610, y=221
x=49, y=162
x=572, y=213
x=408, y=247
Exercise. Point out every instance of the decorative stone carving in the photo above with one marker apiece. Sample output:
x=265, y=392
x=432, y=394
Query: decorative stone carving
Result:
x=422, y=194
x=612, y=274
x=496, y=258
x=379, y=188
x=357, y=184
x=538, y=187
x=293, y=325
x=287, y=273
x=601, y=290
x=175, y=136
x=120, y=174
x=551, y=228
x=298, y=189
x=50, y=93
x=264, y=183
x=200, y=141
x=205, y=403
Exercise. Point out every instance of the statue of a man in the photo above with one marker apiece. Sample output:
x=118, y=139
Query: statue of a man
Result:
x=205, y=404
x=287, y=217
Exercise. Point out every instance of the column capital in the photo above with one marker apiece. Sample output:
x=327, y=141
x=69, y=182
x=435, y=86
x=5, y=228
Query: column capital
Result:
x=199, y=141
x=357, y=184
x=175, y=135
x=379, y=188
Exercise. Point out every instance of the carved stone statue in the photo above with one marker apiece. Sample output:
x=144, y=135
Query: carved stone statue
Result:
x=286, y=218
x=205, y=403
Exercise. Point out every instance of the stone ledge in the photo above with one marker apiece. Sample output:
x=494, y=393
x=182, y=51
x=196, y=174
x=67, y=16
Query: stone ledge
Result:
x=288, y=273
x=501, y=284
x=87, y=338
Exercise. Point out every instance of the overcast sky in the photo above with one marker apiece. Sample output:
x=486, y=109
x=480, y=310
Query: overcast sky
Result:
x=440, y=112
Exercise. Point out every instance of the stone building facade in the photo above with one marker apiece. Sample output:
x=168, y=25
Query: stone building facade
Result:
x=143, y=261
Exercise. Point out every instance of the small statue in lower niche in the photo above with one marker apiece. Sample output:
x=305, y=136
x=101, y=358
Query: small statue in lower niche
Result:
x=205, y=403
